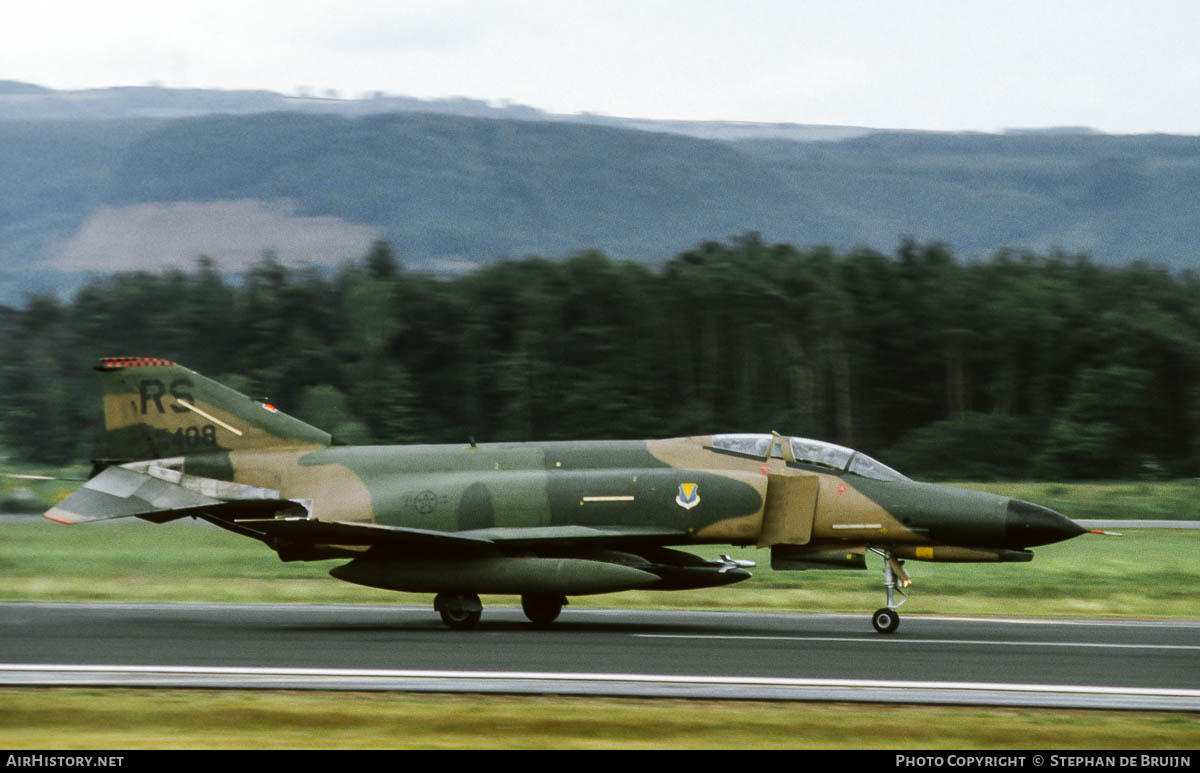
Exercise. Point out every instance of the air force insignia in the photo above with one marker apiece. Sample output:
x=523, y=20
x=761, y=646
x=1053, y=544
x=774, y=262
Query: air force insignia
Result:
x=689, y=495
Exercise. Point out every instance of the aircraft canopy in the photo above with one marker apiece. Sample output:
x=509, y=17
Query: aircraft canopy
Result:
x=807, y=451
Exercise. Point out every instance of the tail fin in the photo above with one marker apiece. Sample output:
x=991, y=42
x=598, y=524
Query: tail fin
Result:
x=155, y=408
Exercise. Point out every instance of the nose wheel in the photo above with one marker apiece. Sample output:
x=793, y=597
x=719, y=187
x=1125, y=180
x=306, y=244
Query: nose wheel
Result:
x=887, y=619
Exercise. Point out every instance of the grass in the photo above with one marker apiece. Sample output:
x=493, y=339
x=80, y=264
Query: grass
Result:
x=1147, y=500
x=70, y=718
x=1145, y=574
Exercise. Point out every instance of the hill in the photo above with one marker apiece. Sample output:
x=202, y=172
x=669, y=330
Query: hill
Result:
x=150, y=177
x=449, y=188
x=1117, y=198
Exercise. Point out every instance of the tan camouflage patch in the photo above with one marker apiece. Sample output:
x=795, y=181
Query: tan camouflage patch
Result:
x=337, y=494
x=735, y=530
x=844, y=513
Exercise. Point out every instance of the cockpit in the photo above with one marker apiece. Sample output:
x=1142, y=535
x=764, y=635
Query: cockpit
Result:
x=798, y=450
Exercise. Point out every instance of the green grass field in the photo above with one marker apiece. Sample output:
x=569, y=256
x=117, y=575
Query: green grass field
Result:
x=1144, y=574
x=225, y=719
x=1149, y=500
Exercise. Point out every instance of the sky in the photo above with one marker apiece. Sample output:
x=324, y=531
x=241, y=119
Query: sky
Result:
x=976, y=65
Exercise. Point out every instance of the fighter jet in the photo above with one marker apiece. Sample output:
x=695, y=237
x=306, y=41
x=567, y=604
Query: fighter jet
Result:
x=541, y=520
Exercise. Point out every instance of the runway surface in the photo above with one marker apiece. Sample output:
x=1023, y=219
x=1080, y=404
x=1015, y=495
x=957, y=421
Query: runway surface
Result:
x=1084, y=663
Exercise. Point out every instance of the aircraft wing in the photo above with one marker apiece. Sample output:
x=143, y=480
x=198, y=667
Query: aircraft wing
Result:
x=564, y=536
x=312, y=530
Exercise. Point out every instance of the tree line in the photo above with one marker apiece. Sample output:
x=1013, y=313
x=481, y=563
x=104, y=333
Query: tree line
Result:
x=1020, y=365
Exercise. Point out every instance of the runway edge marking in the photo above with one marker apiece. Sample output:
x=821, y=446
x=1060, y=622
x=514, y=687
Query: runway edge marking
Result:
x=350, y=673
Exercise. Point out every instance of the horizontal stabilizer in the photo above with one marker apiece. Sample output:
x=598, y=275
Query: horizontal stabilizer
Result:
x=161, y=494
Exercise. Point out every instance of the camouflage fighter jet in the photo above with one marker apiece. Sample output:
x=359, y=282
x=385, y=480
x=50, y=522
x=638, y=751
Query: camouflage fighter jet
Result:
x=542, y=520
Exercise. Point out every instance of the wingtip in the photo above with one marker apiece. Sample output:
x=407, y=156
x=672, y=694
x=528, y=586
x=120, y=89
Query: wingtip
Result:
x=58, y=516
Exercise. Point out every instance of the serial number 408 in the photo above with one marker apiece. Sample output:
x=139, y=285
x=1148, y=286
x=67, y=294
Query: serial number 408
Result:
x=195, y=437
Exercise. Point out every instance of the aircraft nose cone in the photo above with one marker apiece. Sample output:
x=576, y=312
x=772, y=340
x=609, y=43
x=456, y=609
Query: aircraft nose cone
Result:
x=1028, y=524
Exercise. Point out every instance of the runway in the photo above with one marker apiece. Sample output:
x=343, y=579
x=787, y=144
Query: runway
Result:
x=1085, y=663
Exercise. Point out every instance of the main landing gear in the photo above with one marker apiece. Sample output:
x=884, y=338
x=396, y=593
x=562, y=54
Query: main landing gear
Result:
x=463, y=610
x=887, y=619
x=542, y=608
x=459, y=610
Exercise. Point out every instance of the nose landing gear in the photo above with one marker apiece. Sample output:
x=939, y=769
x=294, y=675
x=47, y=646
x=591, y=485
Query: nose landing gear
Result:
x=886, y=619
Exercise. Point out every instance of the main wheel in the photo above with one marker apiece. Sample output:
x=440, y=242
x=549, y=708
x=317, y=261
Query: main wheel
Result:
x=460, y=618
x=458, y=610
x=542, y=608
x=885, y=620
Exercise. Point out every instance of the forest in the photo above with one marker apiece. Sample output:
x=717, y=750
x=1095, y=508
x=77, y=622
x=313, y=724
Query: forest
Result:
x=1018, y=366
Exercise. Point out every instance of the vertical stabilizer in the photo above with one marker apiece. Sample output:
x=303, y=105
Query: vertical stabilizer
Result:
x=155, y=408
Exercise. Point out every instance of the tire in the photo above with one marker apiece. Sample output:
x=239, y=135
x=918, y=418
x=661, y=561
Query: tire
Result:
x=460, y=619
x=542, y=608
x=459, y=611
x=885, y=620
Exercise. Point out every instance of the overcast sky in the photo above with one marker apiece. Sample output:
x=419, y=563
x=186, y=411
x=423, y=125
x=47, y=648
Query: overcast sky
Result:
x=922, y=64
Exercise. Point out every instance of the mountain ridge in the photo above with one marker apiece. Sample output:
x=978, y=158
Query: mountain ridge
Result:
x=456, y=189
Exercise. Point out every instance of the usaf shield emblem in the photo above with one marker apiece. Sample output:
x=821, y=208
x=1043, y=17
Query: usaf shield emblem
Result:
x=689, y=495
